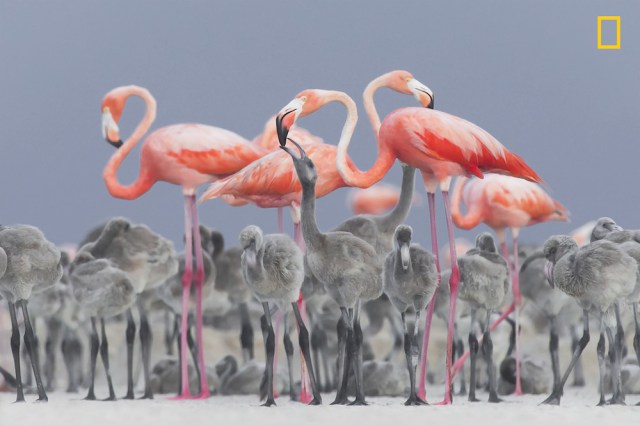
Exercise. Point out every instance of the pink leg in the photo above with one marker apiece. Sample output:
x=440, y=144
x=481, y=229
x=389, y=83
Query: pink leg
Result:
x=297, y=236
x=517, y=299
x=280, y=221
x=199, y=280
x=453, y=285
x=186, y=292
x=458, y=365
x=422, y=393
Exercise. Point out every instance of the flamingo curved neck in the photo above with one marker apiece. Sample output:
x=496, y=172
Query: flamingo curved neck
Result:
x=472, y=218
x=400, y=212
x=145, y=180
x=310, y=230
x=351, y=174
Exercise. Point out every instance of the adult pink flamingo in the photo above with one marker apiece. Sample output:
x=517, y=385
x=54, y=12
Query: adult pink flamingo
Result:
x=505, y=202
x=187, y=155
x=440, y=145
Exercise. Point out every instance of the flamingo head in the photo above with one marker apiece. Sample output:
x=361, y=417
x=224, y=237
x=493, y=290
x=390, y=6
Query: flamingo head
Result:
x=251, y=239
x=485, y=242
x=404, y=82
x=403, y=240
x=554, y=249
x=112, y=106
x=305, y=168
x=305, y=103
x=603, y=227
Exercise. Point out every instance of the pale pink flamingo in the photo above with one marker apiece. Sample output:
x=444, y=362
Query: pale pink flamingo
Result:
x=187, y=155
x=441, y=145
x=505, y=202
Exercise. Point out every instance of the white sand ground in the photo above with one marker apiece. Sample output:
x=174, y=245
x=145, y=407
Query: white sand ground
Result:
x=578, y=407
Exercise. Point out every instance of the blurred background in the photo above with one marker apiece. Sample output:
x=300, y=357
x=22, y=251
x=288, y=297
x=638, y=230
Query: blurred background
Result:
x=528, y=72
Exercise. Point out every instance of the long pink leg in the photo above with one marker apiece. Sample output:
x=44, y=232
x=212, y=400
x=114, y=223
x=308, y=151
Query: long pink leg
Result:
x=458, y=365
x=199, y=280
x=422, y=393
x=517, y=299
x=453, y=285
x=186, y=292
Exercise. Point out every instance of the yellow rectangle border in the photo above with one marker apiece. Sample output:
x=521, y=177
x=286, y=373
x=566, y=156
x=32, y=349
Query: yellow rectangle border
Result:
x=616, y=19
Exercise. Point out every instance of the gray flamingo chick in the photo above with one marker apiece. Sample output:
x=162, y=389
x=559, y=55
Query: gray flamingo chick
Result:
x=598, y=276
x=102, y=290
x=558, y=308
x=272, y=267
x=629, y=242
x=29, y=264
x=410, y=280
x=350, y=270
x=484, y=283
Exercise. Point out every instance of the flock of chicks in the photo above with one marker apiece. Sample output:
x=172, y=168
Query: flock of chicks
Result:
x=120, y=265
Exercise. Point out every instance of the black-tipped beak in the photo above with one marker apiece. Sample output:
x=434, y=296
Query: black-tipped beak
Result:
x=303, y=154
x=282, y=129
x=116, y=144
x=432, y=104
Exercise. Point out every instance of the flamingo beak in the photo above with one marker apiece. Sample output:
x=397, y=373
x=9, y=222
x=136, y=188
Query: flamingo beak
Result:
x=303, y=154
x=286, y=118
x=110, y=130
x=422, y=93
x=405, y=256
x=548, y=273
x=616, y=227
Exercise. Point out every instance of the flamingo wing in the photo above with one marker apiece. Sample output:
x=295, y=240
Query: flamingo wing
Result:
x=445, y=137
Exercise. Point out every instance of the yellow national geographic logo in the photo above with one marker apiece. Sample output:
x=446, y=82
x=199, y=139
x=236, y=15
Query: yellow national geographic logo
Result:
x=615, y=19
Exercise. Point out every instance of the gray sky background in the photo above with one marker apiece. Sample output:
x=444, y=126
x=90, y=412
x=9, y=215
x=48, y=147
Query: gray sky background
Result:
x=526, y=71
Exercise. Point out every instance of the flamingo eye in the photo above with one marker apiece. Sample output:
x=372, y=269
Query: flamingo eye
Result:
x=303, y=99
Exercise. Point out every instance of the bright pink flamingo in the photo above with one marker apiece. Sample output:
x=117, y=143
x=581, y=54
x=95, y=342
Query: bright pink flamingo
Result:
x=505, y=202
x=187, y=155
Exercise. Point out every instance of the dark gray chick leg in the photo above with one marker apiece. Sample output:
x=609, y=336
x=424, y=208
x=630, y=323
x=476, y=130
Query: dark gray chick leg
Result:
x=169, y=332
x=146, y=340
x=578, y=371
x=344, y=359
x=30, y=341
x=553, y=350
x=473, y=355
x=459, y=352
x=412, y=353
x=130, y=338
x=303, y=341
x=95, y=347
x=246, y=334
x=618, y=395
x=288, y=349
x=556, y=394
x=270, y=347
x=104, y=355
x=355, y=349
x=487, y=349
x=15, y=349
x=601, y=365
